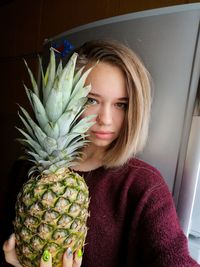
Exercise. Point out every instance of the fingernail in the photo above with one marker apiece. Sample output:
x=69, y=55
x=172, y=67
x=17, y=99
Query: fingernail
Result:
x=79, y=253
x=69, y=253
x=10, y=236
x=46, y=255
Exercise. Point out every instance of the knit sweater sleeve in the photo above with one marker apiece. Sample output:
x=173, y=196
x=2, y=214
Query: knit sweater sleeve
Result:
x=160, y=240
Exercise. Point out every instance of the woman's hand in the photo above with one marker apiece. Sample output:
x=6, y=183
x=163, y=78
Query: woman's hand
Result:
x=69, y=259
x=10, y=253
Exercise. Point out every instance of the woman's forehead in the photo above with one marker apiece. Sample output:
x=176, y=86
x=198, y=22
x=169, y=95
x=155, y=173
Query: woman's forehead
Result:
x=107, y=79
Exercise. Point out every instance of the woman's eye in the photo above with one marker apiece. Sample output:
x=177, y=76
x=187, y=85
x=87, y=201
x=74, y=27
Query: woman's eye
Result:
x=122, y=105
x=91, y=101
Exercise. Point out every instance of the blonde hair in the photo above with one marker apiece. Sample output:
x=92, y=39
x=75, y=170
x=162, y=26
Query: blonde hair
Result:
x=134, y=132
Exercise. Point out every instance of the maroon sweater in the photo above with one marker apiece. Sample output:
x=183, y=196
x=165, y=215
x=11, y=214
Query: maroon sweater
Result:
x=132, y=223
x=132, y=220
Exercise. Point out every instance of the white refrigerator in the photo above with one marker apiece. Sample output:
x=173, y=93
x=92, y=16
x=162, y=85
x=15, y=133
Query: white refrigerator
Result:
x=167, y=40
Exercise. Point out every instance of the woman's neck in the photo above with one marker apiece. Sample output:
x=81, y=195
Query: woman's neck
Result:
x=92, y=159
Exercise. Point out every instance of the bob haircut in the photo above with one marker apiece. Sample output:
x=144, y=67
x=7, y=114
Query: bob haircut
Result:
x=134, y=132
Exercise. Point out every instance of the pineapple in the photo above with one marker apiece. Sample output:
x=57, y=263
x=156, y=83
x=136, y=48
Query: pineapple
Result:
x=52, y=206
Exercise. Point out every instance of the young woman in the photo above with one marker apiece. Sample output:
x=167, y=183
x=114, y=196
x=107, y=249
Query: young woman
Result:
x=132, y=220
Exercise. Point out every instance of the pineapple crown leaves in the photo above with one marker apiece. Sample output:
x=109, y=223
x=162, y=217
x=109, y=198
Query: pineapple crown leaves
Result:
x=54, y=139
x=34, y=84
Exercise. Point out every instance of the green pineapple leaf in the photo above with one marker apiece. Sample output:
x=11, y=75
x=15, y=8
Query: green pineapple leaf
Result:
x=39, y=111
x=66, y=80
x=49, y=76
x=77, y=76
x=34, y=84
x=84, y=124
x=42, y=71
x=80, y=94
x=53, y=105
x=52, y=130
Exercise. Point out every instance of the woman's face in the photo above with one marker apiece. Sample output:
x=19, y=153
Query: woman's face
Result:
x=107, y=99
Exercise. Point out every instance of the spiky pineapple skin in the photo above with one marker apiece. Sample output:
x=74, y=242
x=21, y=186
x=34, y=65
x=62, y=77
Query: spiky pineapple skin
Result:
x=51, y=213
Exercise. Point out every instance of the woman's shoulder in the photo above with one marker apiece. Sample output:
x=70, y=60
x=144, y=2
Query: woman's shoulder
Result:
x=142, y=175
x=135, y=173
x=140, y=166
x=134, y=168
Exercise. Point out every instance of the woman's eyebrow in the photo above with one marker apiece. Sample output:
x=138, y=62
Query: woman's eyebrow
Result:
x=120, y=98
x=94, y=94
x=123, y=99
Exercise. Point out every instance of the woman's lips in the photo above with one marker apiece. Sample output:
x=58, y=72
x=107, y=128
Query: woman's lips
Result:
x=103, y=135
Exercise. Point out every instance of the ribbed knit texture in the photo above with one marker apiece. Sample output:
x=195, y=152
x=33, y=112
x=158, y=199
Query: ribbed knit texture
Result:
x=132, y=220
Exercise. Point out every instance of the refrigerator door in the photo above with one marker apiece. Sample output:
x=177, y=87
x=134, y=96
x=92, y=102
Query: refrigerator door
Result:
x=167, y=40
x=195, y=219
x=194, y=248
x=190, y=187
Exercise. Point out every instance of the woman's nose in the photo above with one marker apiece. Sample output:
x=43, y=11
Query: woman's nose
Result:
x=105, y=116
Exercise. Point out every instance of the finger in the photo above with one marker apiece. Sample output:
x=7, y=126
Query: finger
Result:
x=10, y=253
x=68, y=258
x=46, y=260
x=77, y=258
x=9, y=244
